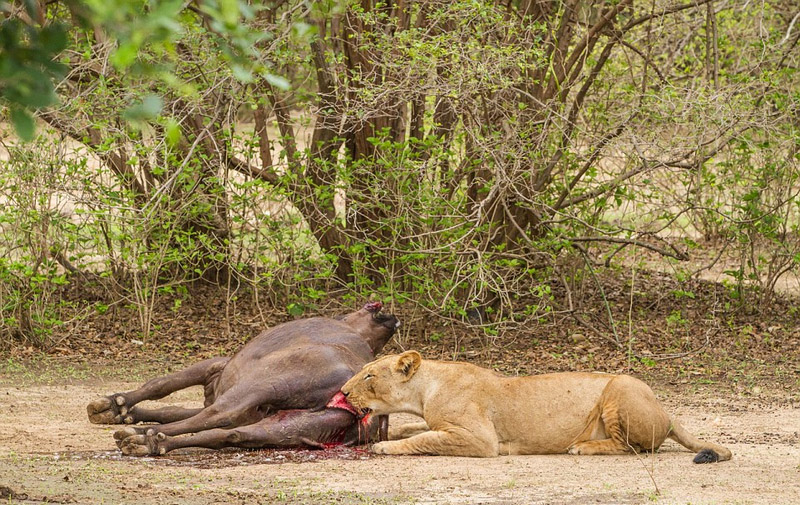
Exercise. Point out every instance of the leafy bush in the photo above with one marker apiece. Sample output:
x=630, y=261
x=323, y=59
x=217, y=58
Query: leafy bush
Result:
x=470, y=158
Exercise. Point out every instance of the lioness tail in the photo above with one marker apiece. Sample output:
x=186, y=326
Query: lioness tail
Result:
x=706, y=451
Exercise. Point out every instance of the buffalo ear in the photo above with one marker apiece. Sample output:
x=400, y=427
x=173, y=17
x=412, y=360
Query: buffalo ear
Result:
x=407, y=364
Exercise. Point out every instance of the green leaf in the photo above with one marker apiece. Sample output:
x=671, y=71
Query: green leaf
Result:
x=172, y=132
x=303, y=30
x=277, y=81
x=53, y=38
x=23, y=123
x=125, y=55
x=148, y=108
x=229, y=10
x=31, y=7
x=295, y=309
x=242, y=74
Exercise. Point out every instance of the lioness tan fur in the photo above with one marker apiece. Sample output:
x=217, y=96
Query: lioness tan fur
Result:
x=472, y=411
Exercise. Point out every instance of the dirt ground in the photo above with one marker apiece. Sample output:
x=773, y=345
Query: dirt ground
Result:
x=729, y=370
x=50, y=453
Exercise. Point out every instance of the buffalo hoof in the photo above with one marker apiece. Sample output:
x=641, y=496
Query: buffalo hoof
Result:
x=109, y=410
x=127, y=432
x=143, y=445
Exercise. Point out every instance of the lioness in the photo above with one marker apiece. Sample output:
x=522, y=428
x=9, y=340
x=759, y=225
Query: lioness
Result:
x=472, y=411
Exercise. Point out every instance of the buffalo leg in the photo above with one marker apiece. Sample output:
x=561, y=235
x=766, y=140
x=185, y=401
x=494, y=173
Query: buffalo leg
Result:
x=247, y=402
x=239, y=406
x=117, y=408
x=286, y=428
x=371, y=429
x=161, y=415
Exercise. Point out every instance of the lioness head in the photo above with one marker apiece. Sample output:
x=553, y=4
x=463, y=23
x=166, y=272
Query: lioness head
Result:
x=382, y=387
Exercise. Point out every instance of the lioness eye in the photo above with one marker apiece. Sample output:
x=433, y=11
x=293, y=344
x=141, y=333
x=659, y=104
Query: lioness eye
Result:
x=367, y=377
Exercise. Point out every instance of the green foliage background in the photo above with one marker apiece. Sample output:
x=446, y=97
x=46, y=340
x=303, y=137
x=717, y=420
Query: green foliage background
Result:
x=468, y=158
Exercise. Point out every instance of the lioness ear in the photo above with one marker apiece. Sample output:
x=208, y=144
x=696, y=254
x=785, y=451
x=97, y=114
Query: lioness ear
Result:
x=407, y=364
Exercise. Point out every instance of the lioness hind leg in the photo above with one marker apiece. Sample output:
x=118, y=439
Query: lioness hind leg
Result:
x=631, y=418
x=610, y=427
x=596, y=447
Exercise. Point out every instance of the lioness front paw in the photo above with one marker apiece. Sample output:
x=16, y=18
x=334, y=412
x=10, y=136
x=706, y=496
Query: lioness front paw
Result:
x=381, y=448
x=574, y=450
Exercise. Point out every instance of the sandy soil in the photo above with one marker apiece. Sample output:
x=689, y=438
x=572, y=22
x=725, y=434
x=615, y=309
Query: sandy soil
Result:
x=49, y=452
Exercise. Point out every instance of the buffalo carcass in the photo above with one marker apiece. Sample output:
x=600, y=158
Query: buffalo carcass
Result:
x=279, y=390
